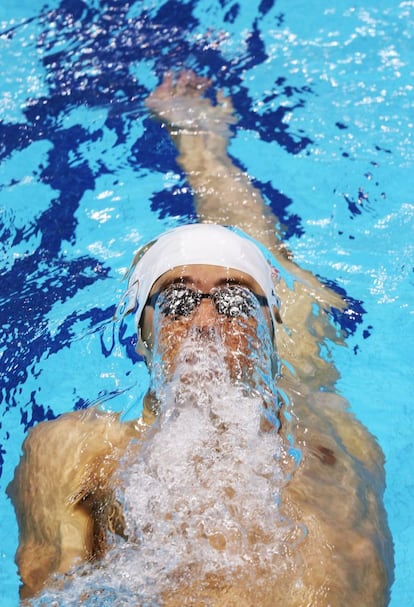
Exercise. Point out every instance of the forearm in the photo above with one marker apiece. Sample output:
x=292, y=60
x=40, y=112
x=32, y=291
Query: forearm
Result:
x=223, y=193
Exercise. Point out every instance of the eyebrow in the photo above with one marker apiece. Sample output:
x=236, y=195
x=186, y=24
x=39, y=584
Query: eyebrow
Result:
x=244, y=282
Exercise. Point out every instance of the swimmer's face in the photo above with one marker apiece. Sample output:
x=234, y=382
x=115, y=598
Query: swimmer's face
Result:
x=203, y=299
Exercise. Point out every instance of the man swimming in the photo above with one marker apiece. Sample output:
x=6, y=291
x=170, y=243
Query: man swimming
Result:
x=246, y=481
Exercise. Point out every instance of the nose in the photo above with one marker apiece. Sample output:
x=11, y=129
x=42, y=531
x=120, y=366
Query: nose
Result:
x=205, y=316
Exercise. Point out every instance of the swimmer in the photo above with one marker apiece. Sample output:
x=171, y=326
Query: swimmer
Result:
x=246, y=481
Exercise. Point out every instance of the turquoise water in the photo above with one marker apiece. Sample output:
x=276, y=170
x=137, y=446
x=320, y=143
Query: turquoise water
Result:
x=325, y=100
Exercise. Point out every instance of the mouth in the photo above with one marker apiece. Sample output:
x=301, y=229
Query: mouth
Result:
x=236, y=352
x=202, y=356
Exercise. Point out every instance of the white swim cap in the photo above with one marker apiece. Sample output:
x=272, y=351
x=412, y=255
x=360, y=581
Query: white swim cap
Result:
x=200, y=243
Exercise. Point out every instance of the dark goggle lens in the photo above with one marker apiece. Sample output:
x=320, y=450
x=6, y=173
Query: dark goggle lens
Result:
x=179, y=300
x=233, y=301
x=230, y=301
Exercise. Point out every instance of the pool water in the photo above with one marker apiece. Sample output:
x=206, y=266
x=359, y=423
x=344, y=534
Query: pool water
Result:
x=324, y=95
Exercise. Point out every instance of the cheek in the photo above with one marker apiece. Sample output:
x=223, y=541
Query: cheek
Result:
x=146, y=324
x=169, y=337
x=240, y=340
x=243, y=330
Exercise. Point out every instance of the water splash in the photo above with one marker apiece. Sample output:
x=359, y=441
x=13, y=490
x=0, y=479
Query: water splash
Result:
x=201, y=494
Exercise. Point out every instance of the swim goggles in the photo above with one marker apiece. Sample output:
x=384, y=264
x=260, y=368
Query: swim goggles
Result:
x=178, y=300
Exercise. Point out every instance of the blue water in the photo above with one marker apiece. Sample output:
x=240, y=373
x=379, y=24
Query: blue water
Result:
x=324, y=92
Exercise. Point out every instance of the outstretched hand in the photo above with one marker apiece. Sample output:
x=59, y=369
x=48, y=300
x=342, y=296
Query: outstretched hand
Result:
x=179, y=102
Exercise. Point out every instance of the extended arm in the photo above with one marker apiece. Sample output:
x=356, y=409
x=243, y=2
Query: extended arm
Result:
x=223, y=193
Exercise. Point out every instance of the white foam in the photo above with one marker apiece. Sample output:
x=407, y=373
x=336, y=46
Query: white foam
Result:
x=202, y=494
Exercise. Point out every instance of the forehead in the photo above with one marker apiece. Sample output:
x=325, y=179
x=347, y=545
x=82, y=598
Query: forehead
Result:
x=205, y=277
